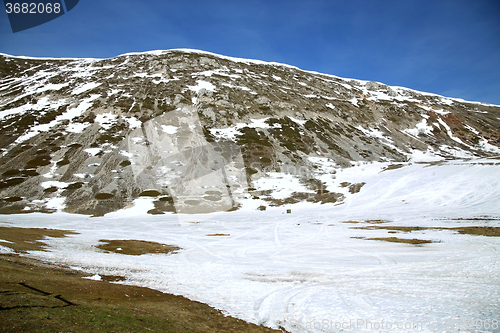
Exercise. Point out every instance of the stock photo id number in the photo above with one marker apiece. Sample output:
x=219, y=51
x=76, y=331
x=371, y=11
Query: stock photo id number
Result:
x=27, y=15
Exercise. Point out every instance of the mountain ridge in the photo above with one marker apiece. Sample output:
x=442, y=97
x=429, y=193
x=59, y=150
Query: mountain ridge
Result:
x=197, y=132
x=239, y=59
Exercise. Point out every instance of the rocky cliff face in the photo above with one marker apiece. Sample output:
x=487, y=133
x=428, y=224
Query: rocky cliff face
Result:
x=197, y=132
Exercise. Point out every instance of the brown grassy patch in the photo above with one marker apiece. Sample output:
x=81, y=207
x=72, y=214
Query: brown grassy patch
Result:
x=136, y=247
x=40, y=297
x=219, y=235
x=355, y=188
x=480, y=231
x=13, y=199
x=480, y=218
x=103, y=196
x=392, y=167
x=391, y=228
x=29, y=239
x=377, y=221
x=112, y=278
x=149, y=193
x=413, y=241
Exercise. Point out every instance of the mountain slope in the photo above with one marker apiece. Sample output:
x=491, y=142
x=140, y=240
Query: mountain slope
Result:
x=189, y=132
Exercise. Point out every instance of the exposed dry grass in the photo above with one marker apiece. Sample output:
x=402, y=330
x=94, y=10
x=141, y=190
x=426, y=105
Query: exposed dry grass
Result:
x=480, y=218
x=28, y=239
x=391, y=228
x=392, y=167
x=377, y=221
x=368, y=221
x=480, y=230
x=413, y=241
x=136, y=247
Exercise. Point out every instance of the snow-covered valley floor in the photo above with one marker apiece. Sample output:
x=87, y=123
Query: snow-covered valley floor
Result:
x=315, y=270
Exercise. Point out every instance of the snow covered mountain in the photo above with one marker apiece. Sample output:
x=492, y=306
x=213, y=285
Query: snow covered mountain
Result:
x=190, y=132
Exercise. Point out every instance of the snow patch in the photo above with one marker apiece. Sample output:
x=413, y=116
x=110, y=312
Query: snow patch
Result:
x=6, y=250
x=140, y=207
x=85, y=87
x=92, y=151
x=291, y=270
x=95, y=277
x=298, y=121
x=106, y=120
x=354, y=101
x=449, y=132
x=133, y=122
x=202, y=85
x=169, y=129
x=51, y=86
x=420, y=128
x=77, y=127
x=427, y=156
x=56, y=203
x=52, y=183
x=282, y=185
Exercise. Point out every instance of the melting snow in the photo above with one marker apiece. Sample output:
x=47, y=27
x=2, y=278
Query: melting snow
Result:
x=282, y=185
x=51, y=86
x=56, y=203
x=68, y=115
x=484, y=144
x=106, y=120
x=6, y=250
x=41, y=104
x=230, y=133
x=449, y=132
x=202, y=85
x=85, y=87
x=420, y=128
x=77, y=127
x=92, y=151
x=169, y=129
x=307, y=269
x=298, y=121
x=133, y=122
x=428, y=156
x=95, y=277
x=53, y=183
x=354, y=101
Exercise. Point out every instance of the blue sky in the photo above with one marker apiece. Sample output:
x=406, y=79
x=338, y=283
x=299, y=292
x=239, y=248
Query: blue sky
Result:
x=450, y=47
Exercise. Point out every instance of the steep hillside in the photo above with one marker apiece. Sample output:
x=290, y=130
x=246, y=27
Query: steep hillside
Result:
x=198, y=132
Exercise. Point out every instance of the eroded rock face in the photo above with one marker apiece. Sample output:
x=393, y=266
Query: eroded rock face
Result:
x=194, y=130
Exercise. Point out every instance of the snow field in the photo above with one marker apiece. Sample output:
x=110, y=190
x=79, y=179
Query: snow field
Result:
x=311, y=271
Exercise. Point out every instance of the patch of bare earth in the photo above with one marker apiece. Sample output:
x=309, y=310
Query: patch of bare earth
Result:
x=482, y=231
x=473, y=230
x=28, y=239
x=413, y=241
x=470, y=230
x=136, y=247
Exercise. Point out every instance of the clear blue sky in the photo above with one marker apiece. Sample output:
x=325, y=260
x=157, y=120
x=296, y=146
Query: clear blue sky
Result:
x=448, y=47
